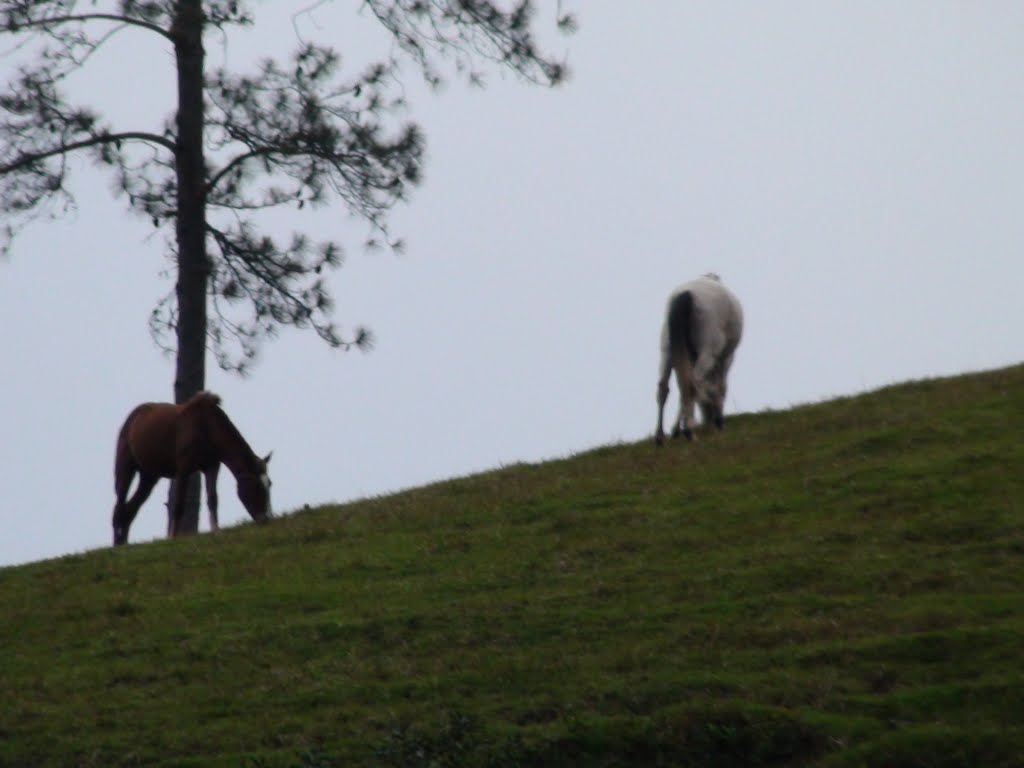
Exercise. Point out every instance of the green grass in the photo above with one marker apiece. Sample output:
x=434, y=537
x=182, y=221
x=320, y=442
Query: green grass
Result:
x=836, y=585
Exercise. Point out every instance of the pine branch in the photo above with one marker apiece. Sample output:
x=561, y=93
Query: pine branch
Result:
x=31, y=158
x=14, y=27
x=293, y=133
x=236, y=162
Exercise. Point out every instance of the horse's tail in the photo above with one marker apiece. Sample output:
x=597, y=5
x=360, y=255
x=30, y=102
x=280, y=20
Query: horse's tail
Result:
x=202, y=398
x=122, y=450
x=122, y=444
x=681, y=336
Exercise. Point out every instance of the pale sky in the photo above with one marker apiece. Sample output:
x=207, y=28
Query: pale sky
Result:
x=854, y=171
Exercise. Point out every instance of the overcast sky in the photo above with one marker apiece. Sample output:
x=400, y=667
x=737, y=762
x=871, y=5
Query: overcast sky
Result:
x=854, y=171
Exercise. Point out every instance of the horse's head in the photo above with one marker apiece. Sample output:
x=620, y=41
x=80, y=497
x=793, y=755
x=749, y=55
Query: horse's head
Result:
x=711, y=398
x=254, y=490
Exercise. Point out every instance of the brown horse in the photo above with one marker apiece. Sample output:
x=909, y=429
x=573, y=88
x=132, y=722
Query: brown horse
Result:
x=175, y=441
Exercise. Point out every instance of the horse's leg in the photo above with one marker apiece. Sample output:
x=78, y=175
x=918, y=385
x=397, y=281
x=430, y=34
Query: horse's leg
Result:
x=663, y=374
x=125, y=511
x=685, y=419
x=124, y=473
x=706, y=372
x=723, y=386
x=210, y=476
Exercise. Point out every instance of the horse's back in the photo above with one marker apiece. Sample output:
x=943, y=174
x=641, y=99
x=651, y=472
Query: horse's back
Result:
x=149, y=437
x=704, y=313
x=157, y=437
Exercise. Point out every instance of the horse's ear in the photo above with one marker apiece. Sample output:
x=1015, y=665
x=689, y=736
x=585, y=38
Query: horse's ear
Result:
x=266, y=459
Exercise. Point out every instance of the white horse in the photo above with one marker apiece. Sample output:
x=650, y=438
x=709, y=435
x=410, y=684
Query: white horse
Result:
x=703, y=327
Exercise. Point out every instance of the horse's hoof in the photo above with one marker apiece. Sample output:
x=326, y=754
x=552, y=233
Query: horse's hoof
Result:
x=688, y=434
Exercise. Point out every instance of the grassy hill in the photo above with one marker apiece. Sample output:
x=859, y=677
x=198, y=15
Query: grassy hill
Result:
x=836, y=585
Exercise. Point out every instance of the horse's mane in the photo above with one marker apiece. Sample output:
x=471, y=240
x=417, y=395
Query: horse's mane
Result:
x=209, y=399
x=203, y=397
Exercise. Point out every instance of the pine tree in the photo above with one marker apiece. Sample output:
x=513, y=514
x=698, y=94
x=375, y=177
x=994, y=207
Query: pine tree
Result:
x=300, y=133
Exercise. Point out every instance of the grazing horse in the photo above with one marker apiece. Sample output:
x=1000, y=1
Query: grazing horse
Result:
x=703, y=327
x=174, y=441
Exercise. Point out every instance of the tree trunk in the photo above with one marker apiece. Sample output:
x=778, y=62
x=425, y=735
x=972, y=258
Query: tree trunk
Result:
x=193, y=263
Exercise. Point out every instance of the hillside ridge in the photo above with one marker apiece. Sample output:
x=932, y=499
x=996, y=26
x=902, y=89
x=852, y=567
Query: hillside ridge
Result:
x=838, y=584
